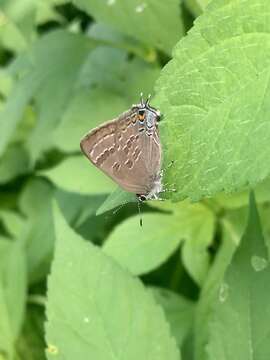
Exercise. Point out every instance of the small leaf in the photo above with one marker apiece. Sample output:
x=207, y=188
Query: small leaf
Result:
x=116, y=199
x=127, y=325
x=240, y=324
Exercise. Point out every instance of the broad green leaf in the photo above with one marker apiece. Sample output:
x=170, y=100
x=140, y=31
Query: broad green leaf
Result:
x=14, y=162
x=215, y=96
x=240, y=326
x=141, y=249
x=38, y=235
x=97, y=310
x=142, y=20
x=178, y=311
x=12, y=293
x=77, y=174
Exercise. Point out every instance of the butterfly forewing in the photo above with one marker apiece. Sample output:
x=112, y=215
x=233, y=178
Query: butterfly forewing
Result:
x=125, y=151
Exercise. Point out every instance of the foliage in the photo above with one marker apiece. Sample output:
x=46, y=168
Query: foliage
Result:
x=79, y=277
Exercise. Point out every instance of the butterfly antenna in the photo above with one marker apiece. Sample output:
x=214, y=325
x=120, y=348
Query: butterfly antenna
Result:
x=139, y=210
x=148, y=100
x=142, y=103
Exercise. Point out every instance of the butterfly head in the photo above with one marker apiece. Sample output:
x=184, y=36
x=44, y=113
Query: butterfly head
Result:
x=147, y=113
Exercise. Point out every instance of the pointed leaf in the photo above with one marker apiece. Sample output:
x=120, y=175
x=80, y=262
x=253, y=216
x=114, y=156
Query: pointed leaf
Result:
x=240, y=323
x=97, y=310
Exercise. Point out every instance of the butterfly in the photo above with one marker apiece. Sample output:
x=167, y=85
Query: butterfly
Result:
x=128, y=150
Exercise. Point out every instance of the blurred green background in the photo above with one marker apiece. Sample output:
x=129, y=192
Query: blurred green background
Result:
x=66, y=67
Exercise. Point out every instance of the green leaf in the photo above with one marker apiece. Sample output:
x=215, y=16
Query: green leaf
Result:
x=77, y=208
x=210, y=291
x=194, y=6
x=85, y=320
x=178, y=311
x=240, y=199
x=116, y=199
x=215, y=96
x=49, y=72
x=141, y=249
x=31, y=344
x=13, y=163
x=240, y=323
x=15, y=105
x=12, y=222
x=12, y=293
x=77, y=174
x=38, y=236
x=109, y=35
x=6, y=336
x=143, y=20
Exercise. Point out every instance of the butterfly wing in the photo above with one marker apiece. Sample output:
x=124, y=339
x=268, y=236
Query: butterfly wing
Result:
x=125, y=151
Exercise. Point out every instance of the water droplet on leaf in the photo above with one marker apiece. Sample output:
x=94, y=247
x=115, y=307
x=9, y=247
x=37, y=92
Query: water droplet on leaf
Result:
x=52, y=349
x=258, y=263
x=223, y=292
x=140, y=8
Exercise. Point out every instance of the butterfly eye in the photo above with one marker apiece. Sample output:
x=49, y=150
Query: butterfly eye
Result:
x=141, y=112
